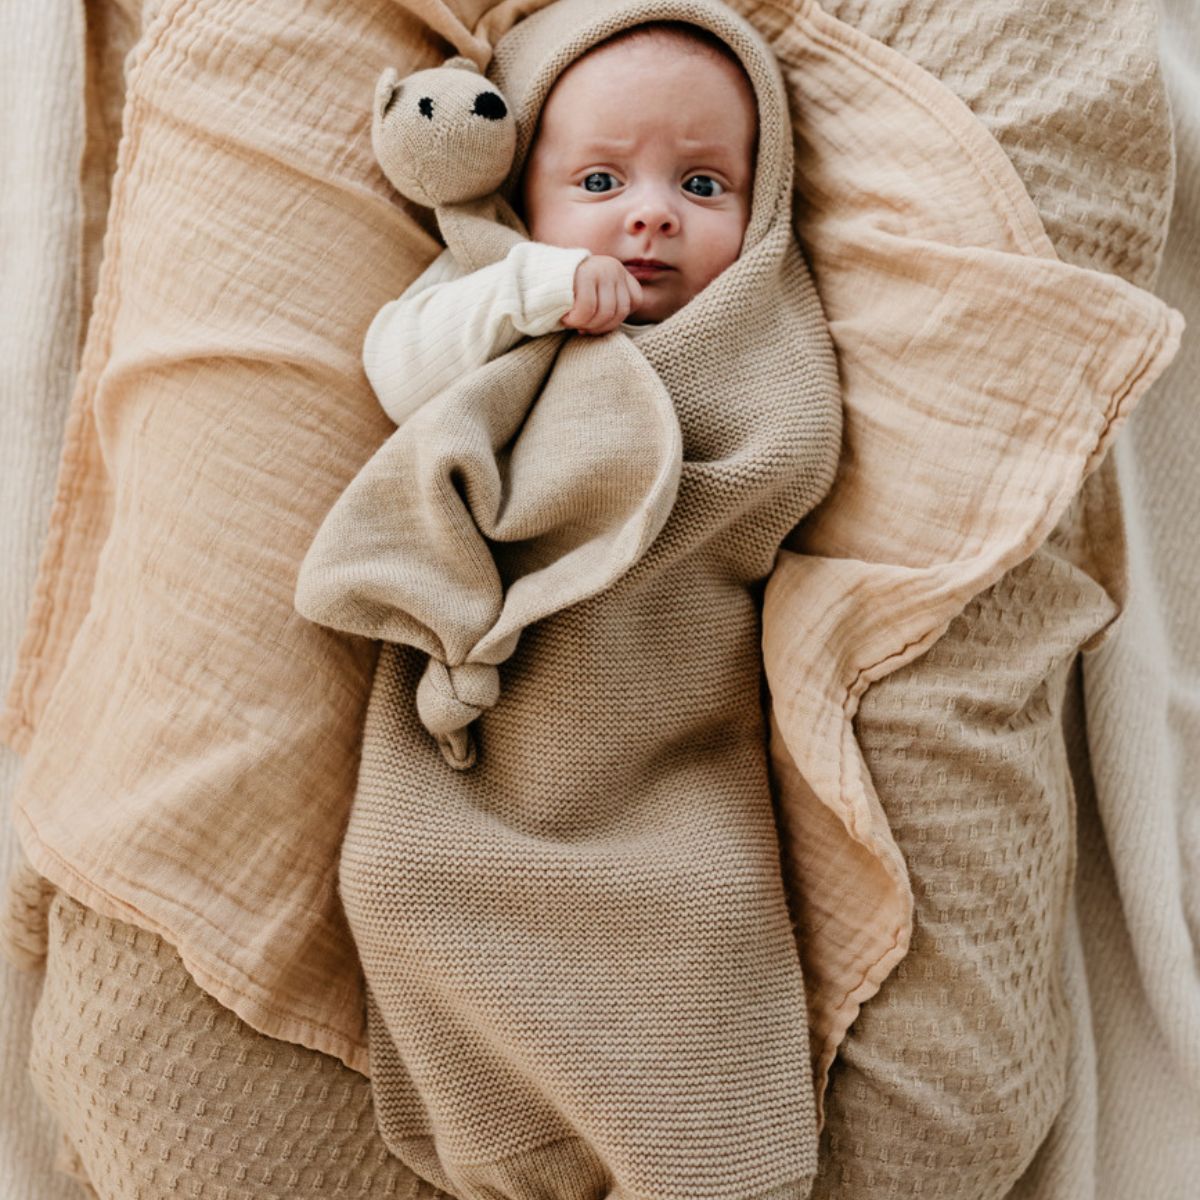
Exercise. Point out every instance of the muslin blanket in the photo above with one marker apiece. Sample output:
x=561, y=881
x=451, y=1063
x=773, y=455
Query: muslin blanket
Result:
x=588, y=922
x=191, y=745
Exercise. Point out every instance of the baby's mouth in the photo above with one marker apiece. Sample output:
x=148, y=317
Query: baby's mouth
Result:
x=645, y=268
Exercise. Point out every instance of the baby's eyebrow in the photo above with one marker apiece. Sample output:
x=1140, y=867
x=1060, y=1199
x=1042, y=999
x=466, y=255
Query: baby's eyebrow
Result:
x=701, y=146
x=716, y=151
x=615, y=145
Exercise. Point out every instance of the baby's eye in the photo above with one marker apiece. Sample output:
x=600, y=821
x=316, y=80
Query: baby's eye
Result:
x=706, y=185
x=595, y=182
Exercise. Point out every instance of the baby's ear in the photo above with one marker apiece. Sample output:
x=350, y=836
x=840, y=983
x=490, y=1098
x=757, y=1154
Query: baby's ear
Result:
x=444, y=135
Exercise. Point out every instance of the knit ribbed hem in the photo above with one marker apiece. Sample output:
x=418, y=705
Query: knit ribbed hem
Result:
x=567, y=1169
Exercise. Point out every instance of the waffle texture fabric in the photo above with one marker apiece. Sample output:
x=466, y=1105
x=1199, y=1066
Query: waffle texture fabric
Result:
x=166, y=1092
x=191, y=743
x=576, y=941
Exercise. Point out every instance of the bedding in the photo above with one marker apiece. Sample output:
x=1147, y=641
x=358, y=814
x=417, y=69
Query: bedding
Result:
x=944, y=737
x=241, y=1115
x=184, y=376
x=60, y=93
x=1135, y=737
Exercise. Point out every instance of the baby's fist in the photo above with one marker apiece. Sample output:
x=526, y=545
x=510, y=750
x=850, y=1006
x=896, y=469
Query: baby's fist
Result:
x=605, y=294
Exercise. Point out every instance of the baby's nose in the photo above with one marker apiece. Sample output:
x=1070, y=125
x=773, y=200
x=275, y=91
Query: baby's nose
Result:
x=652, y=216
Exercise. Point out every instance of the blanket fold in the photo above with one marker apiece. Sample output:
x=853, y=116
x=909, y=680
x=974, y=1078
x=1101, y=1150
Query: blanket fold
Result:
x=979, y=394
x=485, y=512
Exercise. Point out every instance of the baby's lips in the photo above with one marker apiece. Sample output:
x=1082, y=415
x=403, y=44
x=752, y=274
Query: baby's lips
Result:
x=640, y=271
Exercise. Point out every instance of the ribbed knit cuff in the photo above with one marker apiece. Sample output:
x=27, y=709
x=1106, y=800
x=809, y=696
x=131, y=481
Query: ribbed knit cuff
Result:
x=546, y=280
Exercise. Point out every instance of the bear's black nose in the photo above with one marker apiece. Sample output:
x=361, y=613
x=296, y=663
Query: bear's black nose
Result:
x=425, y=107
x=490, y=105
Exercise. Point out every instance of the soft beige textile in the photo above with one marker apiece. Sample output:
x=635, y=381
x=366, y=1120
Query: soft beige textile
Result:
x=60, y=106
x=1138, y=899
x=964, y=745
x=38, y=327
x=949, y=477
x=184, y=371
x=582, y=969
x=166, y=1092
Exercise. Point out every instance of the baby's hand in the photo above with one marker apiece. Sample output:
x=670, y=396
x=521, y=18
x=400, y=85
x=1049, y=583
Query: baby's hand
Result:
x=605, y=294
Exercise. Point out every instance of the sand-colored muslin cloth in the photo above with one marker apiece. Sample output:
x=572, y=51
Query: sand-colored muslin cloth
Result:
x=191, y=743
x=588, y=924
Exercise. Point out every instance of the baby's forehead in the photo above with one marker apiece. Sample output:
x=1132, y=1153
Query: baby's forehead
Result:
x=586, y=95
x=655, y=47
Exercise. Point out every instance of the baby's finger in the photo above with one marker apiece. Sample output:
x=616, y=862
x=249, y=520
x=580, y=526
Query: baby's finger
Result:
x=627, y=299
x=601, y=319
x=606, y=307
x=584, y=308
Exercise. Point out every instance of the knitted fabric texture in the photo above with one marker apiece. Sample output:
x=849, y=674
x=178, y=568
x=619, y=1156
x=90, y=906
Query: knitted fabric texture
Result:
x=581, y=965
x=161, y=1091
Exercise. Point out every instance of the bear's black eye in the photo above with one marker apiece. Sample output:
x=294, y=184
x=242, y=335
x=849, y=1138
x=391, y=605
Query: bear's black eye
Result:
x=425, y=107
x=490, y=105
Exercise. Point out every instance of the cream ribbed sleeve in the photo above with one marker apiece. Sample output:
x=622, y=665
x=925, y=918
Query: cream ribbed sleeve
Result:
x=448, y=322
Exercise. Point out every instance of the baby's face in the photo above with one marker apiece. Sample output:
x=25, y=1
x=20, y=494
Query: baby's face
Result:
x=645, y=152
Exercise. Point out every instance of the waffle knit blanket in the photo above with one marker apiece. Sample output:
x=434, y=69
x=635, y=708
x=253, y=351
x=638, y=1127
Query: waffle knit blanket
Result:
x=596, y=903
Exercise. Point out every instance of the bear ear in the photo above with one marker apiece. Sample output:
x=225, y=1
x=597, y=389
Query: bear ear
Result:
x=387, y=88
x=459, y=63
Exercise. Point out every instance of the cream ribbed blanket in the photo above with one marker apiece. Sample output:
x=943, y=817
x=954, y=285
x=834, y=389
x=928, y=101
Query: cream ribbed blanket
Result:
x=38, y=345
x=1008, y=78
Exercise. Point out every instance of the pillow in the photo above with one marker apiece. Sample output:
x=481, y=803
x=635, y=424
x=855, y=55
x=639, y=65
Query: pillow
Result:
x=220, y=409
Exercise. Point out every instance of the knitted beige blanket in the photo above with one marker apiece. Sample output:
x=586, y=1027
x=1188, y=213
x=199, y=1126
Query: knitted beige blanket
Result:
x=589, y=923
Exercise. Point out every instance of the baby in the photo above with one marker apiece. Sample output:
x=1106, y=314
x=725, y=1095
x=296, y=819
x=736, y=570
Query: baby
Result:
x=644, y=156
x=561, y=869
x=636, y=194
